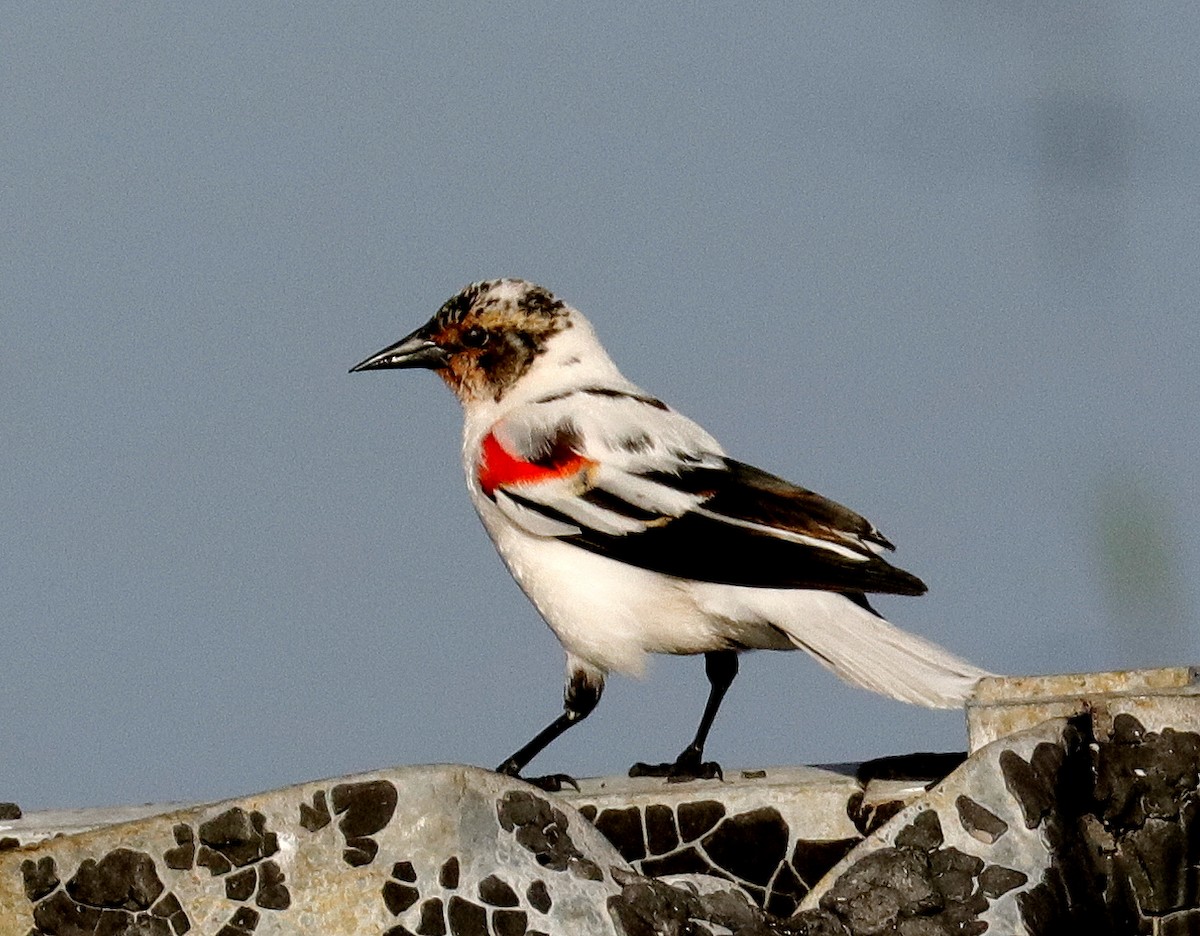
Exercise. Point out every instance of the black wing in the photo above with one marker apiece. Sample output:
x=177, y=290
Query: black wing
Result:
x=747, y=527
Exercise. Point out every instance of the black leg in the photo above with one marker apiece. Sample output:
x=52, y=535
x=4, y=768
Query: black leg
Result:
x=579, y=698
x=720, y=666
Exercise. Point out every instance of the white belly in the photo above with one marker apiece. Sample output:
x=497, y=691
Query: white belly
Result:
x=611, y=614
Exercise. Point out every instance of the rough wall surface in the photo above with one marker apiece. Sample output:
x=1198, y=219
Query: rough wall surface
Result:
x=1087, y=822
x=426, y=850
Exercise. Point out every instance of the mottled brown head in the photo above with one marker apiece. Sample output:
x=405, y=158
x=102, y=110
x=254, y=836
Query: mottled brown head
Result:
x=482, y=340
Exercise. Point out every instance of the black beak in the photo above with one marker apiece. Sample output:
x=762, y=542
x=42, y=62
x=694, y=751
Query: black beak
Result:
x=414, y=351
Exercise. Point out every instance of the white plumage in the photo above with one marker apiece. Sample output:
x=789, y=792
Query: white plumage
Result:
x=632, y=531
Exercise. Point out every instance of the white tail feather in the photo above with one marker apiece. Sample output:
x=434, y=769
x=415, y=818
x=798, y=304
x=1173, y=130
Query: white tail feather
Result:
x=865, y=650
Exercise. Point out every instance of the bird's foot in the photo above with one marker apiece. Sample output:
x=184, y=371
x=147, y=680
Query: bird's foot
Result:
x=551, y=783
x=687, y=766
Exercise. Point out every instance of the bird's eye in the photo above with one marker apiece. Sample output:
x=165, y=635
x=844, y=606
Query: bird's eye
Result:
x=474, y=337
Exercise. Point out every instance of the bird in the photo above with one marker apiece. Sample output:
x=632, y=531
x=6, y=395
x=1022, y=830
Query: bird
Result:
x=632, y=532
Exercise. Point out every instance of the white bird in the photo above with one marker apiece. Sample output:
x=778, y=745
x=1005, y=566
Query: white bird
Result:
x=632, y=532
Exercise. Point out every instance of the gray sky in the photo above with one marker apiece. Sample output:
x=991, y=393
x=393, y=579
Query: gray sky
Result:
x=937, y=261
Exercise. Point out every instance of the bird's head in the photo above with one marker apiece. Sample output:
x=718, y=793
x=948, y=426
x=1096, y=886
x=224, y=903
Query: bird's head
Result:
x=483, y=340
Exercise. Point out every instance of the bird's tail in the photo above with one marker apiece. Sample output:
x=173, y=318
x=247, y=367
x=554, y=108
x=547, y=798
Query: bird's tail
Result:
x=864, y=649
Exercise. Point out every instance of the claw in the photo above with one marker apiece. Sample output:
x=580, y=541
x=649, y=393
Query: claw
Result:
x=552, y=783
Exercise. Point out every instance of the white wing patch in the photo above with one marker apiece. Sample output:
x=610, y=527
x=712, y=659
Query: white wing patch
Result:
x=622, y=436
x=791, y=535
x=531, y=520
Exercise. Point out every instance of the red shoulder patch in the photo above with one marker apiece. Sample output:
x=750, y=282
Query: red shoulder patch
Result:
x=498, y=467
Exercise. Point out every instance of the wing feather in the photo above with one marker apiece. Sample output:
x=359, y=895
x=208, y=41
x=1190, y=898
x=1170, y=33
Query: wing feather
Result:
x=626, y=477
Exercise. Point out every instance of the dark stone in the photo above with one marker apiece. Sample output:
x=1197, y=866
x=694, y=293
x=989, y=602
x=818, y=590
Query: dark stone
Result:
x=1179, y=924
x=1033, y=792
x=1048, y=758
x=399, y=897
x=697, y=818
x=448, y=875
x=183, y=855
x=818, y=923
x=960, y=921
x=494, y=891
x=585, y=869
x=235, y=834
x=813, y=859
x=466, y=918
x=539, y=897
x=509, y=922
x=1118, y=788
x=973, y=905
x=873, y=893
x=787, y=890
x=1154, y=859
x=954, y=885
x=731, y=909
x=924, y=926
x=39, y=876
x=979, y=821
x=520, y=808
x=433, y=920
x=749, y=845
x=867, y=817
x=1145, y=778
x=923, y=833
x=180, y=923
x=996, y=880
x=365, y=807
x=539, y=827
x=216, y=863
x=661, y=835
x=360, y=851
x=316, y=816
x=167, y=907
x=1127, y=730
x=398, y=930
x=10, y=811
x=950, y=859
x=8, y=843
x=649, y=907
x=404, y=871
x=687, y=861
x=623, y=827
x=1043, y=906
x=588, y=812
x=123, y=879
x=757, y=894
x=242, y=923
x=60, y=914
x=140, y=925
x=871, y=912
x=241, y=886
x=272, y=892
x=645, y=907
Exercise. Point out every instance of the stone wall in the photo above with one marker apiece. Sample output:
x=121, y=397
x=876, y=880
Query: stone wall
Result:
x=1083, y=821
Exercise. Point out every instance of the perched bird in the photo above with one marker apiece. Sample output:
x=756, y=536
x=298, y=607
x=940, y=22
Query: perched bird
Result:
x=632, y=532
